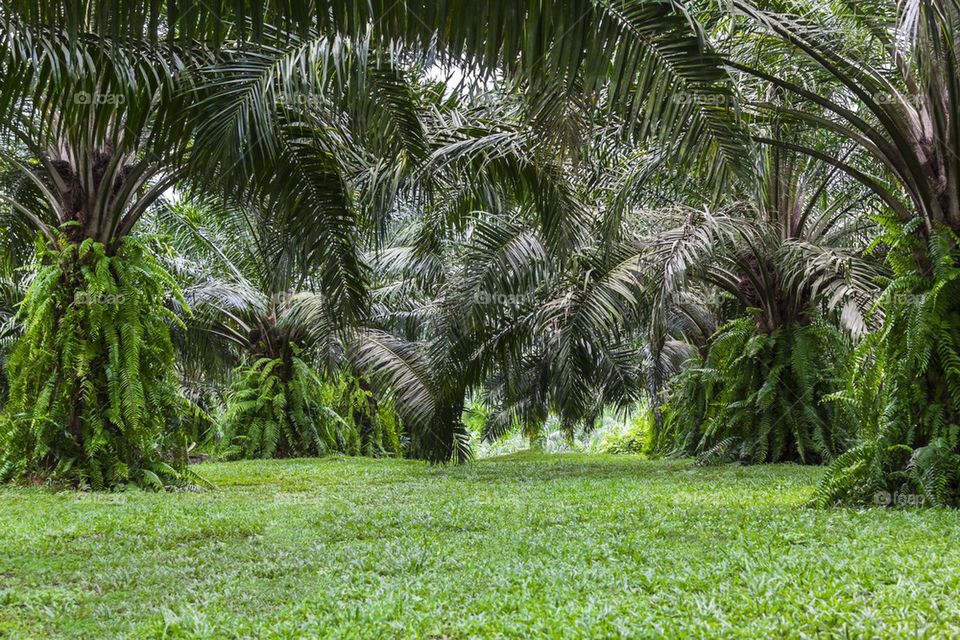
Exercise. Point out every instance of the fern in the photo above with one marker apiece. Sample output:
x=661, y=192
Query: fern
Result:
x=281, y=407
x=906, y=387
x=760, y=397
x=92, y=392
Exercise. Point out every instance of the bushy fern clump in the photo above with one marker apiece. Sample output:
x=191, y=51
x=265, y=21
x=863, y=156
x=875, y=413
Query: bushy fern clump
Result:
x=281, y=407
x=92, y=391
x=760, y=397
x=906, y=391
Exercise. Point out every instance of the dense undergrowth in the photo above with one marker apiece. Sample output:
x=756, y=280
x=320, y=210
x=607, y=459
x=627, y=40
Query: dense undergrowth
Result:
x=283, y=408
x=93, y=397
x=761, y=397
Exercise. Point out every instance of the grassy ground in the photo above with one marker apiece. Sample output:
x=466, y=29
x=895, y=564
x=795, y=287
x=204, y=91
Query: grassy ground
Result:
x=525, y=546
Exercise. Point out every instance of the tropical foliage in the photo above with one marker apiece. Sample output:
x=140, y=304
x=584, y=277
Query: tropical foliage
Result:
x=783, y=266
x=905, y=122
x=391, y=219
x=763, y=397
x=282, y=408
x=92, y=396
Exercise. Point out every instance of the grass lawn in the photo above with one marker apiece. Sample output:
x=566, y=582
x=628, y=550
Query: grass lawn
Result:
x=523, y=546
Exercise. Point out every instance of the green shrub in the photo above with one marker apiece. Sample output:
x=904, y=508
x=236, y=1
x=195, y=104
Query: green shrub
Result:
x=374, y=418
x=905, y=391
x=761, y=397
x=281, y=407
x=92, y=390
x=635, y=440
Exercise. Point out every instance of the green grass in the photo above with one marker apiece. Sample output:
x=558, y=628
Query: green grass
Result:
x=524, y=546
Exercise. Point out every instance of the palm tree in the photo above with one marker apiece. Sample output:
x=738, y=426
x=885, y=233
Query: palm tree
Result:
x=254, y=300
x=92, y=141
x=897, y=101
x=777, y=262
x=432, y=336
x=492, y=315
x=504, y=285
x=91, y=386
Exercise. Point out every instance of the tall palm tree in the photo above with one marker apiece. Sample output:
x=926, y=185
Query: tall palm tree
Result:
x=493, y=314
x=483, y=290
x=98, y=141
x=429, y=336
x=254, y=300
x=780, y=260
x=897, y=100
x=91, y=377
